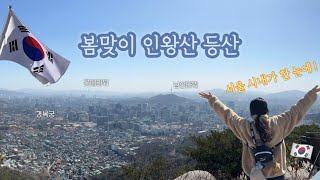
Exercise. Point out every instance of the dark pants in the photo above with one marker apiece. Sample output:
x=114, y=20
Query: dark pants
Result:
x=275, y=178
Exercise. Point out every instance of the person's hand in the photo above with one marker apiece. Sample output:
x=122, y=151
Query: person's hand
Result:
x=316, y=89
x=206, y=96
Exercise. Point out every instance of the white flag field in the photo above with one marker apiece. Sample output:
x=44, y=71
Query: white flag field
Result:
x=19, y=45
x=301, y=150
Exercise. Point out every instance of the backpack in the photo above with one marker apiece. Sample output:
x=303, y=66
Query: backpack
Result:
x=262, y=153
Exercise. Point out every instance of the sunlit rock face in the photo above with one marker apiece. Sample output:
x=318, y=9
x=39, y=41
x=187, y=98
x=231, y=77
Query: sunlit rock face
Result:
x=195, y=175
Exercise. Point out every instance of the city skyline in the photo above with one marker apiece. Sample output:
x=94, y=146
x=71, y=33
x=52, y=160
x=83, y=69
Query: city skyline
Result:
x=84, y=137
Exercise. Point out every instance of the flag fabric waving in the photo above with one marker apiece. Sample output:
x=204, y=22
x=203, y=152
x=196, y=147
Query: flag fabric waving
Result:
x=19, y=45
x=301, y=150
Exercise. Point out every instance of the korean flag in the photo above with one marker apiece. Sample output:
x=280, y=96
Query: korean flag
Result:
x=301, y=150
x=19, y=45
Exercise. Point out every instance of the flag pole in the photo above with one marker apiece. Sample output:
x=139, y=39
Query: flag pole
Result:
x=5, y=26
x=314, y=164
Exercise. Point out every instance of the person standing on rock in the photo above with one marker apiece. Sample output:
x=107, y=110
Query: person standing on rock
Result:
x=265, y=131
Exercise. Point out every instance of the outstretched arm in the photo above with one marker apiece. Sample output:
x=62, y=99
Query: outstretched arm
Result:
x=287, y=120
x=228, y=116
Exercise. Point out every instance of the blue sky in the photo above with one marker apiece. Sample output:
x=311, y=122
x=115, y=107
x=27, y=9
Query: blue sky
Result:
x=275, y=35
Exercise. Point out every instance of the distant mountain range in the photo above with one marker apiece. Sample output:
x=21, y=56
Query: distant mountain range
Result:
x=168, y=99
x=249, y=95
x=164, y=97
x=11, y=93
x=294, y=94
